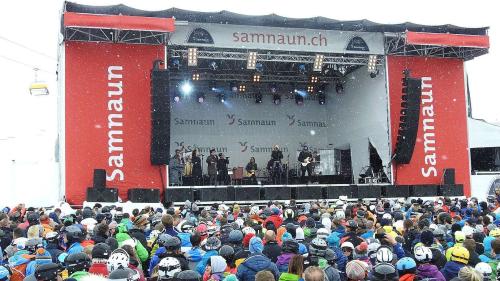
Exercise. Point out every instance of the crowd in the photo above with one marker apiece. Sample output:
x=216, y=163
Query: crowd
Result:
x=406, y=240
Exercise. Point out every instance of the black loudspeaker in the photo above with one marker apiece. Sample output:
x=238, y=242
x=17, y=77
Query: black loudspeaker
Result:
x=396, y=191
x=278, y=193
x=178, y=194
x=160, y=115
x=309, y=192
x=369, y=191
x=451, y=190
x=102, y=194
x=423, y=190
x=144, y=195
x=230, y=193
x=99, y=178
x=213, y=194
x=250, y=193
x=408, y=121
x=449, y=176
x=333, y=192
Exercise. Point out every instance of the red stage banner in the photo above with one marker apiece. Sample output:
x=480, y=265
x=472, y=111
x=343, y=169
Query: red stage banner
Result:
x=442, y=134
x=119, y=22
x=445, y=39
x=108, y=116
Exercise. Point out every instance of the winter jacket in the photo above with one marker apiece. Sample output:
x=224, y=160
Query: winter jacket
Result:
x=54, y=250
x=368, y=234
x=451, y=269
x=474, y=259
x=193, y=255
x=139, y=236
x=494, y=266
x=142, y=253
x=185, y=239
x=200, y=268
x=253, y=264
x=438, y=258
x=79, y=275
x=30, y=269
x=332, y=273
x=162, y=253
x=272, y=250
x=429, y=271
x=275, y=219
x=289, y=277
x=170, y=230
x=75, y=248
x=283, y=261
x=99, y=269
x=99, y=238
x=408, y=277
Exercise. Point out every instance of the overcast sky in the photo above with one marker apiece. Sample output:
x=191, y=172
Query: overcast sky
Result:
x=36, y=24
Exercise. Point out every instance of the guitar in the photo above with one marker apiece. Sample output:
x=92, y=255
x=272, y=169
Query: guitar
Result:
x=250, y=173
x=306, y=161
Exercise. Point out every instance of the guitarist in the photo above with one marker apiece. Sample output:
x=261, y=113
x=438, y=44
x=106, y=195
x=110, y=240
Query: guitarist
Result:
x=305, y=158
x=276, y=169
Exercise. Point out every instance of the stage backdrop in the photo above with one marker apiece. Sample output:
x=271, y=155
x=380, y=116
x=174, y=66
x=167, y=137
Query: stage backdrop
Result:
x=442, y=133
x=107, y=116
x=240, y=128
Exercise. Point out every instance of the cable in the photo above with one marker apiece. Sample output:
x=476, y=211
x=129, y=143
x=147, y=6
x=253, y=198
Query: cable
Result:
x=25, y=64
x=27, y=48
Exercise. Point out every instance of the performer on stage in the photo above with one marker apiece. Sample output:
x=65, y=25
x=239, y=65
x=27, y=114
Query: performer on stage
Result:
x=212, y=166
x=251, y=169
x=176, y=168
x=197, y=172
x=222, y=169
x=276, y=169
x=305, y=159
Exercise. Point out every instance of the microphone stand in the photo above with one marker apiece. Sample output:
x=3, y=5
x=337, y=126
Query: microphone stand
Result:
x=202, y=177
x=287, y=167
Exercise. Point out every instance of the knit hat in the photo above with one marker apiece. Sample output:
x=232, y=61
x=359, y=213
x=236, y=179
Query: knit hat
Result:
x=218, y=264
x=362, y=248
x=356, y=270
x=286, y=236
x=188, y=275
x=427, y=237
x=256, y=245
x=333, y=239
x=310, y=223
x=141, y=220
x=275, y=211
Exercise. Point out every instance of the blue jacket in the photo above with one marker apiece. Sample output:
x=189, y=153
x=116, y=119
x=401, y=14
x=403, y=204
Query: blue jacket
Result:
x=253, y=264
x=75, y=248
x=200, y=268
x=451, y=269
x=185, y=239
x=170, y=230
x=368, y=234
x=398, y=250
x=156, y=259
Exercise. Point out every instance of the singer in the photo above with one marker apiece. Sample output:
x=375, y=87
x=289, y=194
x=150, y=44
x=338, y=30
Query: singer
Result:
x=212, y=166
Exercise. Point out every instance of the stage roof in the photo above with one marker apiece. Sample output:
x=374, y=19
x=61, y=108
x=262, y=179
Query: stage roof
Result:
x=273, y=20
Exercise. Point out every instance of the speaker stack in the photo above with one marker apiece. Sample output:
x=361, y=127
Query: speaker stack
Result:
x=98, y=192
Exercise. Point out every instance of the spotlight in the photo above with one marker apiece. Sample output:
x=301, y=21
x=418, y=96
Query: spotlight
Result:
x=372, y=63
x=339, y=88
x=318, y=62
x=192, y=56
x=213, y=66
x=195, y=76
x=212, y=85
x=310, y=89
x=222, y=98
x=186, y=88
x=258, y=97
x=242, y=88
x=252, y=60
x=201, y=97
x=314, y=79
x=232, y=87
x=301, y=68
x=256, y=78
x=276, y=99
x=299, y=99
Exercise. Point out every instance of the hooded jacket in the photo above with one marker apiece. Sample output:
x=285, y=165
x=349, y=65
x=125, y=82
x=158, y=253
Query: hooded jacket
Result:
x=429, y=271
x=275, y=219
x=283, y=261
x=193, y=255
x=332, y=273
x=202, y=264
x=142, y=253
x=272, y=250
x=289, y=277
x=253, y=264
x=451, y=269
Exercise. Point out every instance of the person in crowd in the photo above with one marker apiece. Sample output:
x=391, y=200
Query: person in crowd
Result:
x=271, y=248
x=295, y=269
x=459, y=258
x=256, y=262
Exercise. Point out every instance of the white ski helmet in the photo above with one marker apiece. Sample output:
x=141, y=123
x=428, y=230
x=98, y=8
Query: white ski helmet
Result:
x=384, y=254
x=119, y=259
x=484, y=269
x=422, y=254
x=168, y=267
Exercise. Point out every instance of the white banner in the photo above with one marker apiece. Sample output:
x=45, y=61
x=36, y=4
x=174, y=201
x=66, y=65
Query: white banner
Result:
x=279, y=39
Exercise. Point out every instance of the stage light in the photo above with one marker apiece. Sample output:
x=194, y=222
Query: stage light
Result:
x=213, y=66
x=318, y=62
x=175, y=64
x=299, y=99
x=258, y=97
x=195, y=76
x=201, y=97
x=321, y=98
x=192, y=56
x=301, y=68
x=252, y=60
x=232, y=87
x=276, y=99
x=310, y=89
x=339, y=88
x=256, y=78
x=39, y=89
x=222, y=98
x=314, y=79
x=372, y=63
x=242, y=88
x=212, y=85
x=186, y=88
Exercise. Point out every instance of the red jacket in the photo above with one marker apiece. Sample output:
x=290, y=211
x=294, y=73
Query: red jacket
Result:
x=275, y=219
x=99, y=269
